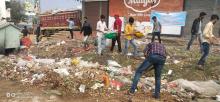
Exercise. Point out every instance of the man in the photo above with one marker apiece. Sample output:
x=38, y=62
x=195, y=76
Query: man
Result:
x=129, y=37
x=25, y=31
x=117, y=27
x=87, y=31
x=156, y=29
x=207, y=39
x=101, y=28
x=71, y=26
x=196, y=30
x=155, y=54
x=38, y=31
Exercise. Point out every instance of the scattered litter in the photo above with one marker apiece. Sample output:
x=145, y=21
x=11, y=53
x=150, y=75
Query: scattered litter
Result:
x=176, y=61
x=106, y=80
x=63, y=42
x=113, y=63
x=63, y=72
x=75, y=61
x=45, y=61
x=206, y=88
x=82, y=88
x=116, y=84
x=129, y=54
x=38, y=76
x=170, y=72
x=79, y=75
x=97, y=85
x=124, y=79
x=126, y=70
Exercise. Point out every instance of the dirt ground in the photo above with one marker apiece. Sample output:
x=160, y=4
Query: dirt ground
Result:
x=14, y=91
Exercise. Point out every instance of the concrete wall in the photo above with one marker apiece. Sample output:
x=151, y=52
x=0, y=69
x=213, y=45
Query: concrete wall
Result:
x=194, y=7
x=3, y=11
x=93, y=10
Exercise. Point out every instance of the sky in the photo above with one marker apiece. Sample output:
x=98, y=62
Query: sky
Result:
x=46, y=5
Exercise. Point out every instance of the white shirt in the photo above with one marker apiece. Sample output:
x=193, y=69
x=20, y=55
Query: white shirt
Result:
x=101, y=26
x=200, y=28
x=71, y=24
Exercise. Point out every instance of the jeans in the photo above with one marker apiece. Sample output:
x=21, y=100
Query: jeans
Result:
x=118, y=39
x=205, y=51
x=127, y=42
x=156, y=34
x=158, y=62
x=193, y=37
x=101, y=44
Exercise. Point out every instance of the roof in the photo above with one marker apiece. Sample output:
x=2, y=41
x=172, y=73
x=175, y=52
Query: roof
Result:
x=6, y=24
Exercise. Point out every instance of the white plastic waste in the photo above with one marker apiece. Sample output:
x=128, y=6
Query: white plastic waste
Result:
x=206, y=88
x=65, y=61
x=126, y=70
x=21, y=63
x=62, y=71
x=38, y=76
x=82, y=88
x=79, y=74
x=45, y=61
x=113, y=63
x=63, y=42
x=170, y=72
x=97, y=85
x=176, y=61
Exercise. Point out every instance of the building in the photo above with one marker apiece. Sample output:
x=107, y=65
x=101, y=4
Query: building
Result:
x=4, y=10
x=9, y=37
x=93, y=9
x=194, y=7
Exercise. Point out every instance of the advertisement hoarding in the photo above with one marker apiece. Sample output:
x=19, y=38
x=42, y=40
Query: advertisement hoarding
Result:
x=141, y=11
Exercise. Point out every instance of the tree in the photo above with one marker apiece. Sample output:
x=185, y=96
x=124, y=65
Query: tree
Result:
x=17, y=11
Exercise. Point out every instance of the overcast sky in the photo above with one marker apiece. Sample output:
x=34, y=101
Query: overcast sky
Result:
x=59, y=4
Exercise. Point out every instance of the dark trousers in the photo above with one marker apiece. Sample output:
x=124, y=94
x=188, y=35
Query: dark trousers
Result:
x=158, y=62
x=71, y=33
x=193, y=37
x=38, y=37
x=118, y=39
x=156, y=34
x=205, y=51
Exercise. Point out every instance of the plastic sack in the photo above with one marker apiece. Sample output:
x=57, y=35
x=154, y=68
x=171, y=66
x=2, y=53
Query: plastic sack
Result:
x=26, y=41
x=110, y=35
x=139, y=34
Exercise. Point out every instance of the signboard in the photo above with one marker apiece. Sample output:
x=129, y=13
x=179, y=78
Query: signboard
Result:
x=170, y=19
x=141, y=11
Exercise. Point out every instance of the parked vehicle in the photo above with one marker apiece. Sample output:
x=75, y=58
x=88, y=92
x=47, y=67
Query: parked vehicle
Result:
x=52, y=22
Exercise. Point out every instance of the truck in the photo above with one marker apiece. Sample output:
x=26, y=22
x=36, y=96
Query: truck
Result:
x=53, y=22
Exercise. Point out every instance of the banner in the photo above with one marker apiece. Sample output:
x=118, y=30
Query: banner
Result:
x=170, y=19
x=141, y=9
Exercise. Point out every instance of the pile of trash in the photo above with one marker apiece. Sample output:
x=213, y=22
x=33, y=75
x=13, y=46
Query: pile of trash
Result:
x=79, y=76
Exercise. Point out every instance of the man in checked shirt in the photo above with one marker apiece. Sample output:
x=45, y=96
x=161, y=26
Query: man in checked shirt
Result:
x=155, y=54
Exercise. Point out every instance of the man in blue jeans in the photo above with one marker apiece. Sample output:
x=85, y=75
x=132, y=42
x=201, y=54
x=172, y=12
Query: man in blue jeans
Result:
x=155, y=54
x=208, y=39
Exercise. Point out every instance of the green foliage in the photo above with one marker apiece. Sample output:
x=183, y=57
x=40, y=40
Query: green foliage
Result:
x=17, y=11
